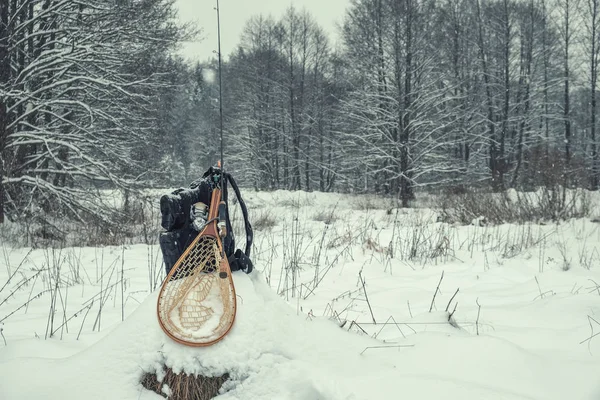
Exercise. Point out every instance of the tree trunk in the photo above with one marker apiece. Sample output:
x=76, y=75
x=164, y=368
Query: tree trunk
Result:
x=302, y=112
x=382, y=83
x=406, y=190
x=503, y=164
x=493, y=150
x=595, y=174
x=525, y=79
x=566, y=115
x=294, y=130
x=4, y=77
x=321, y=157
x=546, y=56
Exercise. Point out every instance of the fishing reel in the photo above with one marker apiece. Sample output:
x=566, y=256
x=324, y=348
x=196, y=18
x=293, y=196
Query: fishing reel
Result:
x=218, y=181
x=199, y=216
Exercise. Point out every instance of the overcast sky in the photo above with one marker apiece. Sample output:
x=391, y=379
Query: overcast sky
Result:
x=234, y=14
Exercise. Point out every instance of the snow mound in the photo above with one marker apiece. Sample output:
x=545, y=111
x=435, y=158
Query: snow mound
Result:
x=269, y=353
x=272, y=353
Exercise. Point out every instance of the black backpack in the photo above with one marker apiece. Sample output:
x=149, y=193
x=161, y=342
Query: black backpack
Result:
x=176, y=210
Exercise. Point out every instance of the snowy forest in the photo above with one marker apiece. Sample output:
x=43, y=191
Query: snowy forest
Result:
x=418, y=95
x=418, y=212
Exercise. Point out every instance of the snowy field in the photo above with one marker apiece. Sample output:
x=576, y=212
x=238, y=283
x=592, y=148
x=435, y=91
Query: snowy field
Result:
x=351, y=299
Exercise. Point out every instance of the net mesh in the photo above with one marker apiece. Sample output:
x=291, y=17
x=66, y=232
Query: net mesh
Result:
x=195, y=304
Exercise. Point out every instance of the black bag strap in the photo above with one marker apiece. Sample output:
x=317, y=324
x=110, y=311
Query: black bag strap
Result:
x=248, y=226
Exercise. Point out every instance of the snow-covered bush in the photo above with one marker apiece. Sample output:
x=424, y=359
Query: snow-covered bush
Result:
x=547, y=204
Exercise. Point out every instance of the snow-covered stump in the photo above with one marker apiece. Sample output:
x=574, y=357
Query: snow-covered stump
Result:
x=182, y=386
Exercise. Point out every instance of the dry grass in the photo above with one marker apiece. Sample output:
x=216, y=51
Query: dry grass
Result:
x=137, y=221
x=326, y=216
x=183, y=386
x=369, y=202
x=553, y=204
x=297, y=200
x=264, y=220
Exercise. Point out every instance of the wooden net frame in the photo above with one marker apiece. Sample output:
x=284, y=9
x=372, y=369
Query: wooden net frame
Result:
x=197, y=304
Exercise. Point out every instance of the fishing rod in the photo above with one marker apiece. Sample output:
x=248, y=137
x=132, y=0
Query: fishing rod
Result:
x=220, y=83
x=222, y=213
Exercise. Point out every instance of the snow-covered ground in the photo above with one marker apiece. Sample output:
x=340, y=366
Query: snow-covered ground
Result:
x=351, y=299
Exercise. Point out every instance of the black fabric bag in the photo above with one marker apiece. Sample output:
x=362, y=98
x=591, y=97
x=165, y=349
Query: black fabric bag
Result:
x=176, y=209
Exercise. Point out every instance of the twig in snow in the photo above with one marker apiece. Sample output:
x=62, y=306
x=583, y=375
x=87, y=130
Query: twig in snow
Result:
x=451, y=314
x=539, y=288
x=541, y=256
x=452, y=298
x=437, y=289
x=84, y=317
x=11, y=275
x=408, y=324
x=541, y=296
x=330, y=266
x=105, y=292
x=31, y=292
x=359, y=327
x=590, y=338
x=54, y=270
x=122, y=284
x=23, y=283
x=593, y=335
x=403, y=323
x=25, y=304
x=71, y=317
x=386, y=347
x=385, y=323
x=478, y=312
x=366, y=297
x=99, y=316
x=309, y=290
x=597, y=288
x=63, y=303
x=1, y=333
x=590, y=319
x=409, y=311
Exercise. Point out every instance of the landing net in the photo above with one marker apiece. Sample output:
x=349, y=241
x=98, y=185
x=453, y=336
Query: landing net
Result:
x=196, y=305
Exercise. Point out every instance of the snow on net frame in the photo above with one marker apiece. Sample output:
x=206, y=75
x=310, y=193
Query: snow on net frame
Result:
x=196, y=306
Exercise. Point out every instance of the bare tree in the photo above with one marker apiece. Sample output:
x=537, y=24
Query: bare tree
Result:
x=4, y=79
x=567, y=9
x=77, y=101
x=591, y=17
